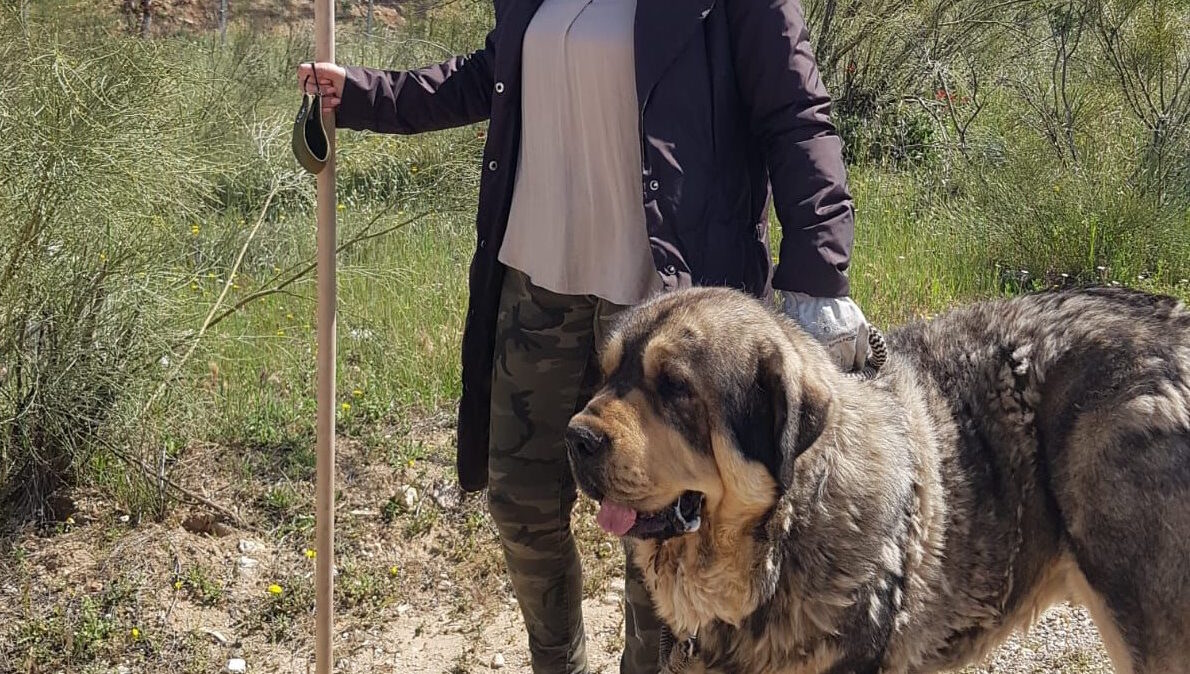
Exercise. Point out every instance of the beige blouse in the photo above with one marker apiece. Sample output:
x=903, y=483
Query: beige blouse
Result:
x=577, y=221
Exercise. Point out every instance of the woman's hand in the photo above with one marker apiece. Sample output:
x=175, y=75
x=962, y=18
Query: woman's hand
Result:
x=329, y=83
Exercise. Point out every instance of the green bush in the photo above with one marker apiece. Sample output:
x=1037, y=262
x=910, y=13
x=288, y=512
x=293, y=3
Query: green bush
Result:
x=134, y=171
x=101, y=167
x=984, y=139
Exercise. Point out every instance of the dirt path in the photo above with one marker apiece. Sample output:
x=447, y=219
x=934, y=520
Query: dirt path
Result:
x=420, y=586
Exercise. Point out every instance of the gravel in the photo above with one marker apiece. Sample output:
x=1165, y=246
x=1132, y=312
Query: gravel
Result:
x=1064, y=640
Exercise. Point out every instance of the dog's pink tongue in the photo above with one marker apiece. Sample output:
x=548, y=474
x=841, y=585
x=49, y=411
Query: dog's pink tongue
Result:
x=615, y=519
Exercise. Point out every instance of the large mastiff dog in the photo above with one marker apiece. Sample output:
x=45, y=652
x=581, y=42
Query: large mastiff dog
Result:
x=1009, y=455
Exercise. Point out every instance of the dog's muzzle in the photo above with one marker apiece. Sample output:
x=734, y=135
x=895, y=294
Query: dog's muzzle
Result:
x=683, y=516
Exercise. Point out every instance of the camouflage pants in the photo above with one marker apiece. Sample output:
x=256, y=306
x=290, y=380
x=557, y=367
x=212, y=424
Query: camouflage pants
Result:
x=544, y=372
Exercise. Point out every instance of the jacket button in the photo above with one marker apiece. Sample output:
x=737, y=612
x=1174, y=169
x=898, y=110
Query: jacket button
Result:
x=654, y=185
x=492, y=165
x=483, y=243
x=499, y=87
x=670, y=269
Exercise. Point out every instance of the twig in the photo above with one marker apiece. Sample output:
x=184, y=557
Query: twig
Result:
x=309, y=267
x=173, y=373
x=149, y=472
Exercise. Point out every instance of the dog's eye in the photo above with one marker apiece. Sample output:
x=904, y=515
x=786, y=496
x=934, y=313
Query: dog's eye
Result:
x=669, y=386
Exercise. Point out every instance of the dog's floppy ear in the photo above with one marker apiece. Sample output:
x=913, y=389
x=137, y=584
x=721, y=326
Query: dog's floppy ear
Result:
x=775, y=422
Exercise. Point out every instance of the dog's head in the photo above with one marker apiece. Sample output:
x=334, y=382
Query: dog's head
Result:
x=707, y=399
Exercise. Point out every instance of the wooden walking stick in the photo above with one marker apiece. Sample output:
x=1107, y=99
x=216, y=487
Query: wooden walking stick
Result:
x=324, y=505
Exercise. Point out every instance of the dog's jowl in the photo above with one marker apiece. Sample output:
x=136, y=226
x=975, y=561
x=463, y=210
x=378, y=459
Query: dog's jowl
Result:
x=1011, y=454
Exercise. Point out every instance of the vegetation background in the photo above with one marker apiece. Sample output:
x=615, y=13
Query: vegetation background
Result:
x=156, y=285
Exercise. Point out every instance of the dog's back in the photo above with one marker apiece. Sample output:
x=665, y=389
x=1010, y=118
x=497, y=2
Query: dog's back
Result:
x=1071, y=470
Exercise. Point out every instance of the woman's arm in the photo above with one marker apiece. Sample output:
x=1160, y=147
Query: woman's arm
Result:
x=790, y=116
x=454, y=93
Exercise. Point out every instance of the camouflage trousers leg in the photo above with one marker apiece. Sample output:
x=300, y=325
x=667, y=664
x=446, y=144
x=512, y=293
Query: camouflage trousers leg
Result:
x=544, y=372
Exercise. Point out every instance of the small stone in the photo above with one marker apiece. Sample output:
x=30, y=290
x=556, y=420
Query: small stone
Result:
x=498, y=661
x=445, y=585
x=611, y=599
x=409, y=495
x=403, y=609
x=124, y=519
x=237, y=666
x=121, y=669
x=616, y=585
x=204, y=523
x=247, y=547
x=248, y=563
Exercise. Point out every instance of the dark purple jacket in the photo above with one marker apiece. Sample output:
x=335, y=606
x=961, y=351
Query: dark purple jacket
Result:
x=730, y=101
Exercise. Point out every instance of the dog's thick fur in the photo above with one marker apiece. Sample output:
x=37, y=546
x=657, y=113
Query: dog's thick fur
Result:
x=1011, y=454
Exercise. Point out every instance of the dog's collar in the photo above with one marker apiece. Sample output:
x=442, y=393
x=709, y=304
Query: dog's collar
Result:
x=676, y=656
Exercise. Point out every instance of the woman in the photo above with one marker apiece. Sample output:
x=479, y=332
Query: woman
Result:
x=630, y=150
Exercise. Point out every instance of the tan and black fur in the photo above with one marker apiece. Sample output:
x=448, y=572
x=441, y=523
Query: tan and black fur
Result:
x=1011, y=454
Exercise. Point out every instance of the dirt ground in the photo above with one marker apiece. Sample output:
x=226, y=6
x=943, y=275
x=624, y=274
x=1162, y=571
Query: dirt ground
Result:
x=420, y=584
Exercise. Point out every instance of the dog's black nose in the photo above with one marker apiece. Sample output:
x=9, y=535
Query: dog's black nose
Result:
x=584, y=441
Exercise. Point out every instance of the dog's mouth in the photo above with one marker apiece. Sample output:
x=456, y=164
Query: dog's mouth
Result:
x=679, y=518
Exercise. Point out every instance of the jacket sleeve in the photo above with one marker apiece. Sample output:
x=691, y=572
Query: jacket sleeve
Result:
x=789, y=110
x=454, y=93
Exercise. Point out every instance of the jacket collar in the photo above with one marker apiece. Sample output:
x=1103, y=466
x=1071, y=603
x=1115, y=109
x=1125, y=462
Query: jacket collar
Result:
x=663, y=27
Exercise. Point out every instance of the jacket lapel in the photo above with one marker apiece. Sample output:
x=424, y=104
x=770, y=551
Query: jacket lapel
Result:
x=662, y=28
x=514, y=23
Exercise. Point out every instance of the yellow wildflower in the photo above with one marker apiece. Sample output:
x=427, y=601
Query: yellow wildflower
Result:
x=103, y=257
x=194, y=230
x=346, y=407
x=280, y=333
x=393, y=570
x=341, y=207
x=235, y=286
x=310, y=554
x=177, y=584
x=357, y=393
x=193, y=285
x=274, y=589
x=413, y=169
x=135, y=633
x=289, y=317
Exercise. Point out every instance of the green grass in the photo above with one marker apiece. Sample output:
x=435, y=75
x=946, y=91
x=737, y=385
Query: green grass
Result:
x=277, y=615
x=154, y=189
x=128, y=197
x=198, y=584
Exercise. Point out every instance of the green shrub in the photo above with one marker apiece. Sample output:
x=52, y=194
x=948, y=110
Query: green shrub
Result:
x=100, y=170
